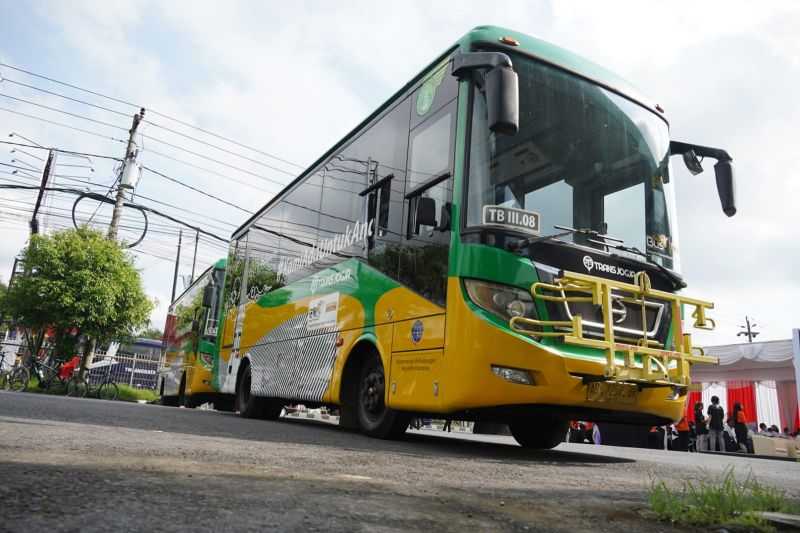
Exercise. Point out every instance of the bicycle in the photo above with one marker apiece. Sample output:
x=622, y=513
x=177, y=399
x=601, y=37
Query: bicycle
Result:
x=3, y=372
x=48, y=376
x=106, y=389
x=19, y=377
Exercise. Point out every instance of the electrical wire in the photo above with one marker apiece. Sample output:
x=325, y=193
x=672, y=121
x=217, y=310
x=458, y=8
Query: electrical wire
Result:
x=62, y=151
x=56, y=110
x=124, y=102
x=101, y=198
x=54, y=123
x=204, y=169
x=179, y=182
x=65, y=97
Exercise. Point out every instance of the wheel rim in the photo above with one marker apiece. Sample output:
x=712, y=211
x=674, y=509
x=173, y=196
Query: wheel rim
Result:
x=372, y=393
x=108, y=391
x=18, y=381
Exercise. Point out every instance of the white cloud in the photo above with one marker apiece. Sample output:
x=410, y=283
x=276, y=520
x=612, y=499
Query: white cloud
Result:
x=292, y=78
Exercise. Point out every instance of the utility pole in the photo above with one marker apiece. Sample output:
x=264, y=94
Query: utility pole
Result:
x=748, y=330
x=194, y=259
x=128, y=174
x=48, y=166
x=177, y=262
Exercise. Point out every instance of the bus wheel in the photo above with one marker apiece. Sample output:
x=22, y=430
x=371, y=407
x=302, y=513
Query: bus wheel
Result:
x=539, y=433
x=375, y=419
x=170, y=401
x=254, y=406
x=182, y=392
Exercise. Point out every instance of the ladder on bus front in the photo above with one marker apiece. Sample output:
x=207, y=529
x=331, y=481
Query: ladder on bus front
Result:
x=647, y=362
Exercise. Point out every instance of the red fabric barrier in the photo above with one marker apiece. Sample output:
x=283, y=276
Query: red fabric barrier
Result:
x=743, y=392
x=787, y=405
x=692, y=398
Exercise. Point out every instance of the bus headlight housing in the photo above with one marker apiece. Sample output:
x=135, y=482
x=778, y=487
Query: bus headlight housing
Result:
x=519, y=376
x=503, y=301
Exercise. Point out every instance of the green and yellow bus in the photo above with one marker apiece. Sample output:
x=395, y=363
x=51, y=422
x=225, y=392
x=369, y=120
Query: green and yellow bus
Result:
x=190, y=344
x=497, y=242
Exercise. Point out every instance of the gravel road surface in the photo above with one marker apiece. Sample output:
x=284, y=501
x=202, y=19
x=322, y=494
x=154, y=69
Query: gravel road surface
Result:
x=71, y=464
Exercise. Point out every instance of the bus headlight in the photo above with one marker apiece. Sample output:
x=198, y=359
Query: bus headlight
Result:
x=514, y=375
x=503, y=301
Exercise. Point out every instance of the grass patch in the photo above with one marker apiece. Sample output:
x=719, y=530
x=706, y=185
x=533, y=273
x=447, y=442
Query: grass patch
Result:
x=126, y=392
x=133, y=394
x=725, y=501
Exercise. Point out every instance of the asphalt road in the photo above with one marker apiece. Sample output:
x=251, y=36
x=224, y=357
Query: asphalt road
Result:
x=87, y=465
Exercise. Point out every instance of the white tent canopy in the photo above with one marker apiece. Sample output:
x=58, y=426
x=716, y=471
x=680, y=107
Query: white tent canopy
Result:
x=772, y=367
x=757, y=361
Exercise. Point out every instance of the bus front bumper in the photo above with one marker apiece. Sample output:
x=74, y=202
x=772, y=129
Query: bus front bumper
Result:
x=584, y=382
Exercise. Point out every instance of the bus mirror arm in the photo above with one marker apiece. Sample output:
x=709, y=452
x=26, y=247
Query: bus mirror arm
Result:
x=500, y=83
x=723, y=170
x=208, y=296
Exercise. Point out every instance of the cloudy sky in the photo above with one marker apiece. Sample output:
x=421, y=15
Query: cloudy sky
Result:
x=291, y=78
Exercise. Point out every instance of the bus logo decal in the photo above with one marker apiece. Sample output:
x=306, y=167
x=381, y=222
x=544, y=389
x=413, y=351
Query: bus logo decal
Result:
x=588, y=263
x=323, y=312
x=416, y=331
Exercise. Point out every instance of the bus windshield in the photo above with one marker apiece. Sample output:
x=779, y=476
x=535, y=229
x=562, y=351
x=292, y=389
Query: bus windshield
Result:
x=584, y=157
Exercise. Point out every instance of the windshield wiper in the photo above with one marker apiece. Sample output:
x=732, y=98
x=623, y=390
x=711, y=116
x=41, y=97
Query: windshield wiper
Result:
x=519, y=245
x=677, y=281
x=607, y=241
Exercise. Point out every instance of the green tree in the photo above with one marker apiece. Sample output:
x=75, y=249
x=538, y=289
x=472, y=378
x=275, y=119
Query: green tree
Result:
x=3, y=314
x=78, y=281
x=151, y=333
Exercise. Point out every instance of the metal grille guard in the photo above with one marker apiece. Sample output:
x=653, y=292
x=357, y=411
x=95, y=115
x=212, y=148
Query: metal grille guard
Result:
x=654, y=364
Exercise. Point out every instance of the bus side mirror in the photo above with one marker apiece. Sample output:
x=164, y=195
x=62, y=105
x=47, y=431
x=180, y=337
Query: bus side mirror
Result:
x=425, y=213
x=208, y=296
x=726, y=187
x=500, y=83
x=502, y=100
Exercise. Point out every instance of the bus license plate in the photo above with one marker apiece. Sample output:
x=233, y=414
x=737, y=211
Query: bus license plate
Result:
x=604, y=391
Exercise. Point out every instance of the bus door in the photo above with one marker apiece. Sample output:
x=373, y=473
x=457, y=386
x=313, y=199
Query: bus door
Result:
x=233, y=320
x=418, y=343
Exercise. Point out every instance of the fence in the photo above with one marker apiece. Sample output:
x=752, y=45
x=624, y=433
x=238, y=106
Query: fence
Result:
x=136, y=370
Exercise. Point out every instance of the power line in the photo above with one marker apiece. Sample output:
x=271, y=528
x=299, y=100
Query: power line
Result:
x=124, y=102
x=198, y=167
x=223, y=163
x=65, y=97
x=96, y=196
x=217, y=198
x=68, y=113
x=54, y=123
x=60, y=150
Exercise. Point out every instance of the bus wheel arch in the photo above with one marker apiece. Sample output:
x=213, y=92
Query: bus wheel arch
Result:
x=248, y=405
x=348, y=391
x=363, y=393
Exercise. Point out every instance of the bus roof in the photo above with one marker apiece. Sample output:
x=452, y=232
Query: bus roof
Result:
x=483, y=36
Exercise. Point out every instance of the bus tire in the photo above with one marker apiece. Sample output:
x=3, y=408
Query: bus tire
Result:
x=255, y=406
x=374, y=417
x=169, y=401
x=539, y=433
x=182, y=391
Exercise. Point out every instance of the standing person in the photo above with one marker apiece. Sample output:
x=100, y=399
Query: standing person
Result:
x=701, y=428
x=716, y=425
x=446, y=425
x=682, y=427
x=739, y=425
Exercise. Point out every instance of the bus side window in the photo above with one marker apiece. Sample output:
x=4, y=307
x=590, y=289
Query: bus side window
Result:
x=429, y=191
